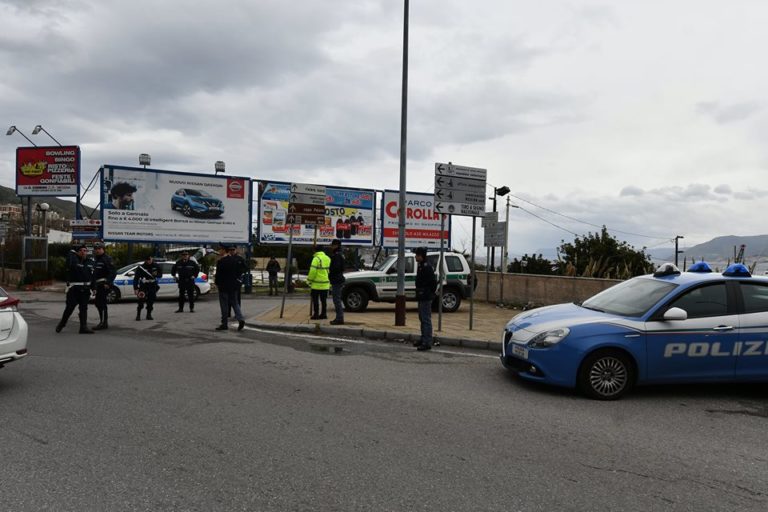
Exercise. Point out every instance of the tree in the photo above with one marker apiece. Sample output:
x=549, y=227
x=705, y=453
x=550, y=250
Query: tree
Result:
x=601, y=255
x=535, y=264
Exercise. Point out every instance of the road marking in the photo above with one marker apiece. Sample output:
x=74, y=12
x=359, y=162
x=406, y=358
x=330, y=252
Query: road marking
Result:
x=362, y=342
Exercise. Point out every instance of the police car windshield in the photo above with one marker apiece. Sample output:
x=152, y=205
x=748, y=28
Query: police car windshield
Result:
x=384, y=264
x=631, y=298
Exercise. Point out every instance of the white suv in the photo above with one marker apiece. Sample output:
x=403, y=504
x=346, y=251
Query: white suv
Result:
x=380, y=285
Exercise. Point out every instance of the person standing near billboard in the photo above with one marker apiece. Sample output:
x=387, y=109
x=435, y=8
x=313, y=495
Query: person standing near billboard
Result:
x=145, y=285
x=185, y=271
x=104, y=273
x=78, y=288
x=229, y=270
x=319, y=284
x=273, y=267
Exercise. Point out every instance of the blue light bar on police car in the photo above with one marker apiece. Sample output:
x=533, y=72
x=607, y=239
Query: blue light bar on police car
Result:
x=701, y=267
x=737, y=270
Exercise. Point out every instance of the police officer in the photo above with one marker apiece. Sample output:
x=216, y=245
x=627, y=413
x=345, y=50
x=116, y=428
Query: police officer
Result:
x=185, y=272
x=426, y=284
x=79, y=277
x=104, y=273
x=145, y=285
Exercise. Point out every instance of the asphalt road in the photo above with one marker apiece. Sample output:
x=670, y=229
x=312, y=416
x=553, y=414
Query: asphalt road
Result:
x=171, y=415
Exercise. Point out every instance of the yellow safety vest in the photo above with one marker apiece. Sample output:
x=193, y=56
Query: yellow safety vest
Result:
x=318, y=272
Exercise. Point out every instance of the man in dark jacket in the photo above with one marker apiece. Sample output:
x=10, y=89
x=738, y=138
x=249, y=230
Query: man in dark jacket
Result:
x=426, y=284
x=336, y=277
x=145, y=285
x=104, y=273
x=185, y=271
x=79, y=278
x=229, y=271
x=273, y=267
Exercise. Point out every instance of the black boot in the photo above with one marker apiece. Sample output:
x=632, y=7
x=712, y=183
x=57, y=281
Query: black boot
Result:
x=84, y=324
x=149, y=314
x=138, y=313
x=191, y=308
x=181, y=308
x=103, y=322
x=61, y=325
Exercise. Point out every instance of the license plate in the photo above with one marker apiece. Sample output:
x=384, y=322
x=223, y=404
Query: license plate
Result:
x=520, y=351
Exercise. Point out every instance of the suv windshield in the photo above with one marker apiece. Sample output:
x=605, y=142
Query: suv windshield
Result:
x=384, y=264
x=631, y=298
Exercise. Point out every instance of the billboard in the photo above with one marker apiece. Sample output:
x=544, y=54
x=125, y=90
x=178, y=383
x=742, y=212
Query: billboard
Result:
x=150, y=205
x=422, y=222
x=48, y=171
x=350, y=216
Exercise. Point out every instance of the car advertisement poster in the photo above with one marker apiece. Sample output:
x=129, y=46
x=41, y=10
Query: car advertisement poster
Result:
x=48, y=171
x=149, y=205
x=422, y=222
x=349, y=216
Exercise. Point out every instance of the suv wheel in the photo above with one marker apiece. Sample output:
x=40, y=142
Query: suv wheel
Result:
x=451, y=300
x=356, y=300
x=186, y=210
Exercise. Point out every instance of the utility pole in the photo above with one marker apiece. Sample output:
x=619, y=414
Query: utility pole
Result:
x=678, y=237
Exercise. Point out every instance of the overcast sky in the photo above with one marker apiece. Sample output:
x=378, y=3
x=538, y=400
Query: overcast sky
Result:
x=648, y=117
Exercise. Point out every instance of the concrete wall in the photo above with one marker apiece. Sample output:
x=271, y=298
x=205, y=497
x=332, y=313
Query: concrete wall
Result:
x=538, y=290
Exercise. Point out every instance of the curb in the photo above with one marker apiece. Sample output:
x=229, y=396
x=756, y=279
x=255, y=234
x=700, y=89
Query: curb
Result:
x=494, y=346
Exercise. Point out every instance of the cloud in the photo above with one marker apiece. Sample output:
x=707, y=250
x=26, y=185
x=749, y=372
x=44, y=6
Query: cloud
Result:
x=723, y=189
x=631, y=190
x=733, y=112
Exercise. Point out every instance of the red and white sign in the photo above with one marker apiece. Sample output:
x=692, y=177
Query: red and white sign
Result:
x=422, y=222
x=47, y=171
x=235, y=188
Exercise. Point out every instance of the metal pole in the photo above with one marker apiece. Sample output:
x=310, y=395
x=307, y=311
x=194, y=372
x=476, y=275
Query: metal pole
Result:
x=493, y=247
x=472, y=275
x=441, y=274
x=487, y=274
x=400, y=297
x=504, y=251
x=287, y=273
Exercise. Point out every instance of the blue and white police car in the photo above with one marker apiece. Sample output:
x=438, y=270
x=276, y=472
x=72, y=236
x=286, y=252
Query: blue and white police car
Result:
x=123, y=285
x=668, y=327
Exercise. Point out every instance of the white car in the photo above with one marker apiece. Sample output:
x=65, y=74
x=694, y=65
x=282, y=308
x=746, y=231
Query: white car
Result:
x=13, y=330
x=123, y=285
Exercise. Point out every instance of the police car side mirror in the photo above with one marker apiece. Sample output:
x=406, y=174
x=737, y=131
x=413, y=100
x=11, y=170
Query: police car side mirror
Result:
x=675, y=314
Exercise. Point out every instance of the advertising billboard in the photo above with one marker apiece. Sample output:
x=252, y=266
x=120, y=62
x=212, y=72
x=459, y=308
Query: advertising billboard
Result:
x=150, y=205
x=48, y=171
x=350, y=216
x=422, y=222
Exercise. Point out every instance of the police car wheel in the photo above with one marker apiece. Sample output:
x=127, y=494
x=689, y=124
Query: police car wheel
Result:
x=606, y=375
x=113, y=295
x=356, y=300
x=197, y=293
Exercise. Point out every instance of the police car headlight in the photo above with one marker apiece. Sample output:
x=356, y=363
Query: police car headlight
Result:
x=548, y=338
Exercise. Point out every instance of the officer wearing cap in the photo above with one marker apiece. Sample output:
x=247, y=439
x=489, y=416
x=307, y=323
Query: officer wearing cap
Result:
x=185, y=272
x=426, y=284
x=229, y=271
x=104, y=273
x=336, y=277
x=145, y=285
x=80, y=274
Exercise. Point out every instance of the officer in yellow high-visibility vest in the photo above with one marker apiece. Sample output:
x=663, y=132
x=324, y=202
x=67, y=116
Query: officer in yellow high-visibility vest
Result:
x=319, y=283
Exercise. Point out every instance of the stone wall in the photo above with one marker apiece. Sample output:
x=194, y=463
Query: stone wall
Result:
x=538, y=290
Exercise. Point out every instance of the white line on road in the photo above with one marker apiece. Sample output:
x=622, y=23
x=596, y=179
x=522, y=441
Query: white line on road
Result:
x=363, y=342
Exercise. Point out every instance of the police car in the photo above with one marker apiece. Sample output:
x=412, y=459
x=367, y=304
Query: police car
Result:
x=668, y=327
x=13, y=330
x=123, y=285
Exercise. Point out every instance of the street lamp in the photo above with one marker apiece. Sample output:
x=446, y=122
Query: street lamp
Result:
x=500, y=192
x=13, y=128
x=40, y=128
x=145, y=159
x=218, y=167
x=43, y=209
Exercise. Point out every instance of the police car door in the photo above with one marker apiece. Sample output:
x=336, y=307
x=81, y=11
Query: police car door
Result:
x=700, y=347
x=752, y=351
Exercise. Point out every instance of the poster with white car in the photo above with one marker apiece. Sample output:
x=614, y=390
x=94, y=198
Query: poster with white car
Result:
x=349, y=216
x=422, y=222
x=150, y=205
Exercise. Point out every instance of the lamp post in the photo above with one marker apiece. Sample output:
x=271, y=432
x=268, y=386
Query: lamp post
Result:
x=13, y=129
x=678, y=237
x=500, y=192
x=42, y=209
x=40, y=128
x=400, y=295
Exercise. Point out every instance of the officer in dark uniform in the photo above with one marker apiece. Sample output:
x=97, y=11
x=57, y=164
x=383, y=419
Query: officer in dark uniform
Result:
x=79, y=280
x=185, y=272
x=145, y=285
x=104, y=273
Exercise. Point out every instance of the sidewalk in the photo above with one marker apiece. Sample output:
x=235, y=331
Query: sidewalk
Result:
x=378, y=321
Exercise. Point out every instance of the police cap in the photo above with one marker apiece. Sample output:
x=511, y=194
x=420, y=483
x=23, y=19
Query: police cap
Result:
x=421, y=251
x=98, y=245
